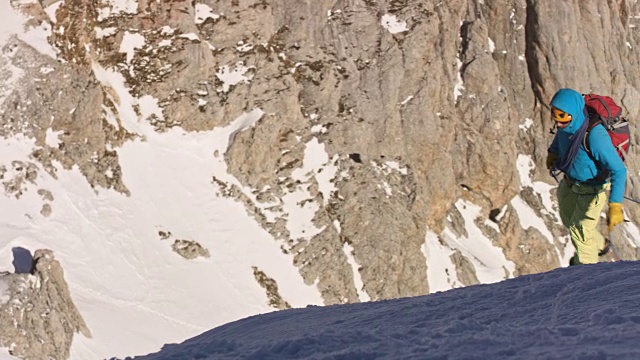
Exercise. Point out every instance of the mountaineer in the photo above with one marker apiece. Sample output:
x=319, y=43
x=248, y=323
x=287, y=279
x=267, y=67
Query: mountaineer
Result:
x=583, y=150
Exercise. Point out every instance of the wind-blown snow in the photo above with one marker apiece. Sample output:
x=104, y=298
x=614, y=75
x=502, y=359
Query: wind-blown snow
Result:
x=204, y=12
x=11, y=24
x=528, y=217
x=525, y=166
x=585, y=312
x=357, y=279
x=489, y=261
x=10, y=76
x=3, y=288
x=392, y=24
x=125, y=279
x=52, y=139
x=232, y=76
x=105, y=235
x=459, y=85
x=115, y=7
x=52, y=9
x=4, y=355
x=317, y=165
x=131, y=42
x=125, y=102
x=441, y=271
x=37, y=38
x=135, y=293
x=492, y=45
x=528, y=123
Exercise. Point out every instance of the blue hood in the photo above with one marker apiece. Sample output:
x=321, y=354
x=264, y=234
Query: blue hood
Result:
x=571, y=102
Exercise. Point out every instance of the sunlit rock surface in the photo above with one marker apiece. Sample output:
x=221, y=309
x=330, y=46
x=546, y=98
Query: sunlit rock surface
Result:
x=389, y=148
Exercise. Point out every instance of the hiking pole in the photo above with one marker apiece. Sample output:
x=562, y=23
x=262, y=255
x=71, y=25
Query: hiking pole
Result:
x=631, y=199
x=554, y=174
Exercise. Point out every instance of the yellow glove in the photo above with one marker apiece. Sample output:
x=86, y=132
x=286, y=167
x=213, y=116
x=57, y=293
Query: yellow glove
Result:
x=615, y=216
x=552, y=159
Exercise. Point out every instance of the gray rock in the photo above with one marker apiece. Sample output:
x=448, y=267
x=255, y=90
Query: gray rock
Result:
x=37, y=313
x=275, y=300
x=411, y=121
x=189, y=249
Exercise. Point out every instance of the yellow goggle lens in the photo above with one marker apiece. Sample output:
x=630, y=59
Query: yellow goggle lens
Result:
x=560, y=116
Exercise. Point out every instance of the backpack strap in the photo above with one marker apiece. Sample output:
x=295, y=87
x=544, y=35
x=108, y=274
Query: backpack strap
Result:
x=599, y=120
x=604, y=104
x=621, y=150
x=603, y=174
x=593, y=122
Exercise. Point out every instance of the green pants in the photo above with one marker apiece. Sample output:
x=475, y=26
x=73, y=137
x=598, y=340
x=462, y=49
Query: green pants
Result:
x=580, y=209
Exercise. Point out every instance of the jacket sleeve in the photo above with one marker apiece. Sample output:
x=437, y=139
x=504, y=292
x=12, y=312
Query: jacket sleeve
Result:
x=603, y=151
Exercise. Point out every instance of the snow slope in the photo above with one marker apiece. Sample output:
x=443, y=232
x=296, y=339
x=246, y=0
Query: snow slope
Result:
x=125, y=279
x=133, y=291
x=117, y=265
x=585, y=312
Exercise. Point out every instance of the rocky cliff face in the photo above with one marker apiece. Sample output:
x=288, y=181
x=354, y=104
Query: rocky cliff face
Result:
x=37, y=313
x=422, y=111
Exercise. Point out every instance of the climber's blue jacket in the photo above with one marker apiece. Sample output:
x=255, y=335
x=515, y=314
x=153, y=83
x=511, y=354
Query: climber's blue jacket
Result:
x=604, y=161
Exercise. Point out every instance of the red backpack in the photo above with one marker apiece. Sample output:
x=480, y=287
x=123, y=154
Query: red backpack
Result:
x=603, y=110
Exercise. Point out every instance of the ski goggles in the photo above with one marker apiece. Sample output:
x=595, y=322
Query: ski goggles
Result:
x=560, y=116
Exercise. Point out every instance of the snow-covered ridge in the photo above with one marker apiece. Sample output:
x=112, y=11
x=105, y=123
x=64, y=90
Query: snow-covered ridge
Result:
x=529, y=317
x=254, y=150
